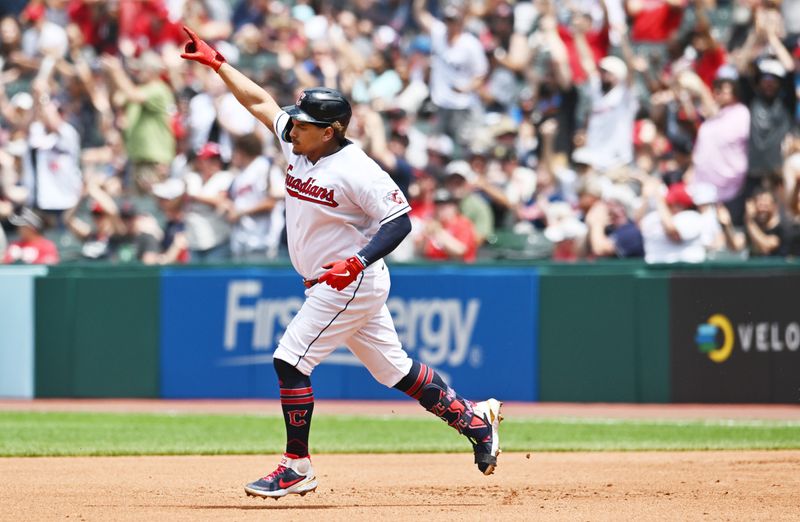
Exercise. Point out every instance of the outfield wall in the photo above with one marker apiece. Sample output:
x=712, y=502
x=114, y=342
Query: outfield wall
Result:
x=608, y=332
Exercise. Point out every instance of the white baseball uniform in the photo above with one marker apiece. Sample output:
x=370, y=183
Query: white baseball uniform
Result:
x=333, y=208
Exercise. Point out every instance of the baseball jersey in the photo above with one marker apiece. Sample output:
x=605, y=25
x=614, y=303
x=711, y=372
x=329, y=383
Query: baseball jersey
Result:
x=55, y=179
x=334, y=206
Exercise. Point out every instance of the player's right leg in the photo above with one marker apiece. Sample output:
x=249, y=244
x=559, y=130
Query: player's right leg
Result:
x=324, y=322
x=294, y=474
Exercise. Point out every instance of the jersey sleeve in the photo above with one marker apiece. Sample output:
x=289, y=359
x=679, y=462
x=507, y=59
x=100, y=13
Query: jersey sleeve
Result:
x=281, y=121
x=381, y=198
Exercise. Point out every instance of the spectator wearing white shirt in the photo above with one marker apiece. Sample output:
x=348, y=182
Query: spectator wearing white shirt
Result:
x=613, y=106
x=458, y=69
x=254, y=210
x=673, y=233
x=207, y=230
x=51, y=167
x=43, y=37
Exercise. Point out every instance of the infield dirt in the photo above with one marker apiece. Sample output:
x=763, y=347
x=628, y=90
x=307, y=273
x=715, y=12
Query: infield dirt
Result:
x=740, y=485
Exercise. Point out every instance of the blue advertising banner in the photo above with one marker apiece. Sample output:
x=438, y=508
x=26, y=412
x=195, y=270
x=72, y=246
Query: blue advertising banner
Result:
x=478, y=327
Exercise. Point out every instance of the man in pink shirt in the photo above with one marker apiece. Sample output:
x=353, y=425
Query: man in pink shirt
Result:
x=720, y=152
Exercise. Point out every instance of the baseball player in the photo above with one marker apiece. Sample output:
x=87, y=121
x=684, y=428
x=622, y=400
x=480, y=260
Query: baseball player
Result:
x=343, y=215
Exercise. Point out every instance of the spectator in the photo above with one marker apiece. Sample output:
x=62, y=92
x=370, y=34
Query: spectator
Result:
x=565, y=231
x=390, y=154
x=581, y=27
x=654, y=20
x=118, y=233
x=254, y=210
x=207, y=229
x=718, y=234
x=98, y=22
x=764, y=224
x=174, y=245
x=767, y=83
x=43, y=37
x=149, y=139
x=472, y=205
x=720, y=151
x=793, y=189
x=710, y=55
x=51, y=172
x=3, y=243
x=448, y=235
x=458, y=69
x=610, y=125
x=612, y=232
x=16, y=68
x=673, y=232
x=32, y=248
x=139, y=240
x=97, y=238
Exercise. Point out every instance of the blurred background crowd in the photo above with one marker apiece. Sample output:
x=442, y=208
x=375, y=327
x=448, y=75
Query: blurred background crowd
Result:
x=566, y=130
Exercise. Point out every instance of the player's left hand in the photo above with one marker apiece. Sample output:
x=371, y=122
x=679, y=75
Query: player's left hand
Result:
x=198, y=50
x=341, y=273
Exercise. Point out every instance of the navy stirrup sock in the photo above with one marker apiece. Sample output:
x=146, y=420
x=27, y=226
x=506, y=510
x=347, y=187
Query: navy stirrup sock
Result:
x=297, y=402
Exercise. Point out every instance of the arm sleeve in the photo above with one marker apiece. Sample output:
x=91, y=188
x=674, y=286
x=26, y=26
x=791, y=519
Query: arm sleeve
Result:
x=389, y=235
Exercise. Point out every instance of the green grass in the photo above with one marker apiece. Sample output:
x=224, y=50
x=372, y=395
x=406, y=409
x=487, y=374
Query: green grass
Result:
x=43, y=434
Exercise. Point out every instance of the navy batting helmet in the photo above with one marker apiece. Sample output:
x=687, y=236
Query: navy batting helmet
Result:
x=320, y=106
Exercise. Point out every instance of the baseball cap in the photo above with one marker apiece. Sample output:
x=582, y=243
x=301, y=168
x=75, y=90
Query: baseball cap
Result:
x=97, y=209
x=127, y=209
x=562, y=222
x=615, y=66
x=34, y=12
x=22, y=100
x=460, y=168
x=441, y=144
x=27, y=218
x=453, y=10
x=622, y=194
x=443, y=195
x=678, y=196
x=505, y=126
x=169, y=189
x=147, y=61
x=582, y=156
x=209, y=150
x=771, y=66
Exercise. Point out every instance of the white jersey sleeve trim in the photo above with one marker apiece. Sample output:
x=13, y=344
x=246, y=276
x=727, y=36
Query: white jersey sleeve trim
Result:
x=399, y=212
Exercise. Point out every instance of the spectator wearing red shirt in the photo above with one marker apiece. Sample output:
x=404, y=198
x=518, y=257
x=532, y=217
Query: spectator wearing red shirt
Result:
x=598, y=41
x=98, y=22
x=448, y=235
x=710, y=55
x=32, y=248
x=654, y=20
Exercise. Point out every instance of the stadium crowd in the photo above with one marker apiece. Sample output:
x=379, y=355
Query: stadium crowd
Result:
x=547, y=129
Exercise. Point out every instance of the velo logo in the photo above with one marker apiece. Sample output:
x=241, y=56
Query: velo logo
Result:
x=707, y=334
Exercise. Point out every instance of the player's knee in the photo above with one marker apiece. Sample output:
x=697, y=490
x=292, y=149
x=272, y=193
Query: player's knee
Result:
x=288, y=375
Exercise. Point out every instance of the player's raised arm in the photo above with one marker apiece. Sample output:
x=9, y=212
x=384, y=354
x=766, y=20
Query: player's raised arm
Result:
x=250, y=94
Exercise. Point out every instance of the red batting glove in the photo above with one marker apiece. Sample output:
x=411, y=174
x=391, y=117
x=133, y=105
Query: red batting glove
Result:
x=341, y=273
x=198, y=50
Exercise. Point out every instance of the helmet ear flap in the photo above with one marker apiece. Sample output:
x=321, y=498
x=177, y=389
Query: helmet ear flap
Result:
x=286, y=130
